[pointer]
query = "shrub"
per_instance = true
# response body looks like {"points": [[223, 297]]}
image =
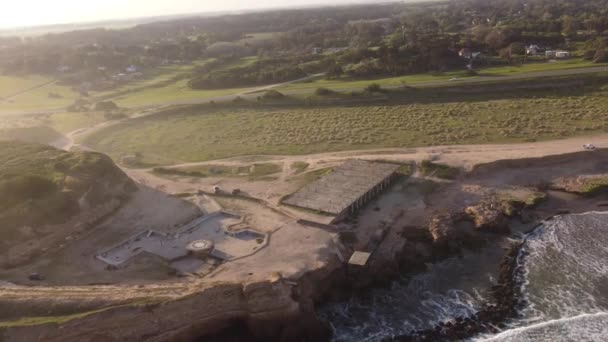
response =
{"points": [[22, 187], [106, 106], [273, 95], [374, 88], [428, 168], [324, 91]]}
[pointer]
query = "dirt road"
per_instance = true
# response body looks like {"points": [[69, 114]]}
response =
{"points": [[458, 155]]}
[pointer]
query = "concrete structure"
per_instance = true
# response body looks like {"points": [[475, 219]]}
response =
{"points": [[359, 258], [346, 189], [200, 248], [208, 235]]}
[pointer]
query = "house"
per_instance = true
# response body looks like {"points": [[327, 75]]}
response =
{"points": [[533, 50], [562, 54], [131, 69]]}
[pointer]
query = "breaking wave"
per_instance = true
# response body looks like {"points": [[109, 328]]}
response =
{"points": [[564, 282]]}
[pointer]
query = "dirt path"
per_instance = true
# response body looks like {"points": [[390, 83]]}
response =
{"points": [[458, 155]]}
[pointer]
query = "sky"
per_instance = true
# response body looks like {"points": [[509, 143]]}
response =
{"points": [[21, 13]]}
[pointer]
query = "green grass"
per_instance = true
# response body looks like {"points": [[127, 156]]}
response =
{"points": [[172, 93], [299, 166], [34, 134], [207, 133], [10, 85], [38, 99], [255, 171], [428, 168], [71, 121], [427, 77], [594, 185]]}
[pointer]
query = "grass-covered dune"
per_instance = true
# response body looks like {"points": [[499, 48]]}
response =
{"points": [[41, 185]]}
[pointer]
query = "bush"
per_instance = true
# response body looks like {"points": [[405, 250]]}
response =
{"points": [[19, 188], [374, 88], [114, 116], [428, 168], [324, 92], [273, 95], [106, 106]]}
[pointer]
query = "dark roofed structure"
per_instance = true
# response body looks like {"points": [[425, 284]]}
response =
{"points": [[347, 188]]}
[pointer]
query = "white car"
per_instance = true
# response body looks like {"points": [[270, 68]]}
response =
{"points": [[589, 147]]}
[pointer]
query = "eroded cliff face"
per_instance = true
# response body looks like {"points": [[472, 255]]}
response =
{"points": [[268, 311]]}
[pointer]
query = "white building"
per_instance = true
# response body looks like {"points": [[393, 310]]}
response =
{"points": [[533, 50]]}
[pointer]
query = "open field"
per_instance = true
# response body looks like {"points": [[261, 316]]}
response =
{"points": [[206, 133], [252, 172], [175, 92], [428, 78], [23, 93], [172, 86], [11, 85]]}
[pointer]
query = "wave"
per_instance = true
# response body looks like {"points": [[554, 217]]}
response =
{"points": [[585, 327]]}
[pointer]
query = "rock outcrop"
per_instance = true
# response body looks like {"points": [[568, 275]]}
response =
{"points": [[488, 215], [265, 311], [584, 185]]}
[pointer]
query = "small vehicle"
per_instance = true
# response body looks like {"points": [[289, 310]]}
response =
{"points": [[589, 147], [453, 79]]}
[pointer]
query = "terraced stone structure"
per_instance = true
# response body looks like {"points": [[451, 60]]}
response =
{"points": [[346, 189]]}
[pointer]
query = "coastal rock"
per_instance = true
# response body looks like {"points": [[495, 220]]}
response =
{"points": [[488, 215], [583, 185], [440, 227]]}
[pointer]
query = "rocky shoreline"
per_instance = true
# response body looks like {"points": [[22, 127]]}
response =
{"points": [[505, 299]]}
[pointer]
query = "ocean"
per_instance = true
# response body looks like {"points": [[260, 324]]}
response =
{"points": [[563, 270]]}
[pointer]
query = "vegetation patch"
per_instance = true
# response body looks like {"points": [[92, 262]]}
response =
{"points": [[42, 185], [428, 168], [255, 171], [299, 166], [214, 132], [594, 185], [35, 134]]}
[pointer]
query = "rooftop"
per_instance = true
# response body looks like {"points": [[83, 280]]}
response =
{"points": [[347, 183]]}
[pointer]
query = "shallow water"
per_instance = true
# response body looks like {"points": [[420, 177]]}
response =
{"points": [[565, 282], [565, 285], [454, 287]]}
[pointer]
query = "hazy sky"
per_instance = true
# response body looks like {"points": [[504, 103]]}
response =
{"points": [[42, 12]]}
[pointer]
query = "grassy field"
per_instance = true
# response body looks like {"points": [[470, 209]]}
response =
{"points": [[424, 78], [11, 85], [208, 133], [161, 90], [160, 86], [34, 134], [253, 172], [178, 91], [36, 98]]}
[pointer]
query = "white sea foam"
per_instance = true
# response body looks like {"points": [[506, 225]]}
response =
{"points": [[586, 327], [564, 282], [564, 277]]}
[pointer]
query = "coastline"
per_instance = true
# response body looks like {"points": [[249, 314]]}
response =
{"points": [[285, 309]]}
